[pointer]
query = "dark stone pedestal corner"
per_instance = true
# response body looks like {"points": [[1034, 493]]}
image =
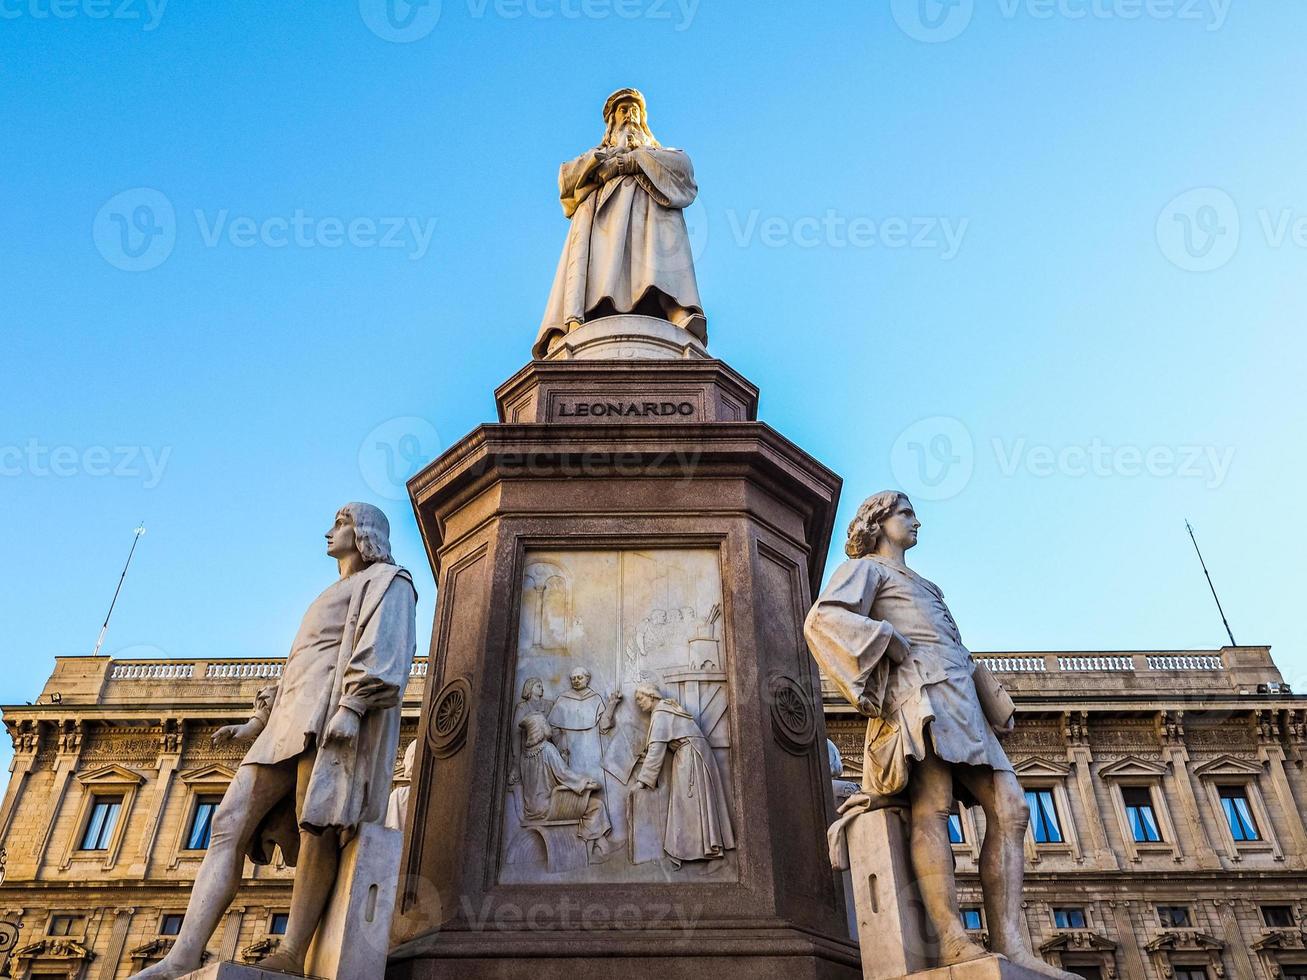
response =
{"points": [[639, 541]]}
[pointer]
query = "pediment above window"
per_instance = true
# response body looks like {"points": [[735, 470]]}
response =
{"points": [[1041, 768], [1228, 765], [1184, 940], [111, 775], [214, 773], [1133, 766], [1075, 942]]}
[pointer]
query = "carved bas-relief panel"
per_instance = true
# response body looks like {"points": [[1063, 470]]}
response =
{"points": [[619, 765]]}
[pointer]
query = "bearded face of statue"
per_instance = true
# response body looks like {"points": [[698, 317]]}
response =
{"points": [[626, 127]]}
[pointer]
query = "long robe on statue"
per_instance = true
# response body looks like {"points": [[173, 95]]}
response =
{"points": [[931, 694], [354, 649], [627, 239], [576, 716], [544, 774], [698, 816]]}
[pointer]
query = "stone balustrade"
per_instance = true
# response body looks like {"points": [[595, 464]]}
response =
{"points": [[154, 670]]}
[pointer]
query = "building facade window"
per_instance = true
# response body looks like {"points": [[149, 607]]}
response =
{"points": [[1174, 917], [1277, 916], [1238, 813], [197, 839], [1294, 971], [1141, 814], [101, 823], [1070, 917], [171, 924], [1044, 822], [956, 834], [1190, 973], [278, 923], [65, 925], [972, 918]]}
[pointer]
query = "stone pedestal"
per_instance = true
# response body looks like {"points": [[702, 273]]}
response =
{"points": [[234, 971], [891, 920], [645, 545], [989, 968], [354, 936]]}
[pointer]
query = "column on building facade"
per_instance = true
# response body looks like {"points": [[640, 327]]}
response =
{"points": [[170, 754], [69, 753], [25, 742], [1270, 752], [113, 952], [1176, 755], [231, 933], [1080, 758], [1128, 945], [1236, 943]]}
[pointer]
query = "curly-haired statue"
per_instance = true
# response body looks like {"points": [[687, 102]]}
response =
{"points": [[883, 634], [324, 747]]}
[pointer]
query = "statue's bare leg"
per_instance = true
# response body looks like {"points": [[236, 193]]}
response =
{"points": [[315, 877], [930, 791], [1002, 863], [255, 790]]}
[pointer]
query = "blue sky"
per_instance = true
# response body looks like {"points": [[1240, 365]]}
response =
{"points": [[1039, 262]]}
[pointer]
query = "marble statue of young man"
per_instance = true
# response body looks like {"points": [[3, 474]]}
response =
{"points": [[628, 249], [883, 634], [325, 740]]}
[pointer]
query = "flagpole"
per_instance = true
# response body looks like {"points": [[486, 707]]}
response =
{"points": [[140, 530]]}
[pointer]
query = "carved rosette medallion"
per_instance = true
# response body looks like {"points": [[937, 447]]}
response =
{"points": [[447, 730], [793, 721]]}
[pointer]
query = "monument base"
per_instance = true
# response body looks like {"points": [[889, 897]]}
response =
{"points": [[630, 518], [988, 968], [236, 971]]}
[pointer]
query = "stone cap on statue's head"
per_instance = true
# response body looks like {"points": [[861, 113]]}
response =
{"points": [[624, 95]]}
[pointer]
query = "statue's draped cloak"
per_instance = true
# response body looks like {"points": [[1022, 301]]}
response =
{"points": [[848, 631], [354, 649], [698, 816], [627, 237]]}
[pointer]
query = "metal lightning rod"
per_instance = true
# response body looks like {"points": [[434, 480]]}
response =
{"points": [[1224, 621], [140, 530]]}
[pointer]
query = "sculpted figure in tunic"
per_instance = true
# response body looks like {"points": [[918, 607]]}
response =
{"points": [[533, 702], [883, 634], [698, 817], [628, 249], [324, 752]]}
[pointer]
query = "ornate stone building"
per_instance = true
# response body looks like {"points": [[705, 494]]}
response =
{"points": [[106, 816], [1166, 792], [1167, 789]]}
